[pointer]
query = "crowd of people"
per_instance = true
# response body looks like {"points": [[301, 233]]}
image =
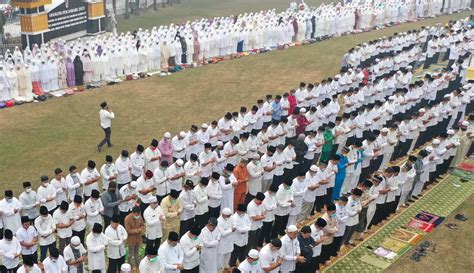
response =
{"points": [[68, 66], [232, 194]]}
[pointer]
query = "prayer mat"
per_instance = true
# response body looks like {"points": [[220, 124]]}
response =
{"points": [[429, 218], [406, 236], [420, 225], [375, 261], [466, 166], [463, 174], [394, 245]]}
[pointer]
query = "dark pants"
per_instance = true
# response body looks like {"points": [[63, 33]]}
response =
{"points": [[214, 212], [107, 220], [108, 132], [160, 197], [336, 245], [280, 225], [185, 226], [201, 220], [63, 242], [237, 253], [319, 203], [115, 264], [143, 207], [348, 234], [12, 270], [266, 234], [122, 215], [254, 235], [325, 253], [153, 243], [45, 248], [33, 257], [81, 234], [315, 263]]}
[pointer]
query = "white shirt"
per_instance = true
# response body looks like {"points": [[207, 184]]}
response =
{"points": [[214, 193], [88, 175], [45, 193], [188, 199], [148, 267], [170, 256], [149, 154], [63, 218], [255, 210], [125, 192], [123, 168], [255, 177], [241, 223], [45, 227], [190, 252], [74, 184], [316, 234], [290, 249], [106, 171], [246, 267], [202, 201], [57, 266], [268, 257], [76, 213], [61, 189], [69, 256], [283, 198], [153, 218], [143, 184], [27, 236], [226, 243], [106, 118], [116, 239], [8, 250], [138, 163], [96, 244], [93, 211]]}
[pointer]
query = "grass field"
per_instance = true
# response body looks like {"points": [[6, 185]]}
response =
{"points": [[452, 246], [36, 138], [197, 9]]}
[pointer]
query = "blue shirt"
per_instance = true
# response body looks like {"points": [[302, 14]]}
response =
{"points": [[276, 111]]}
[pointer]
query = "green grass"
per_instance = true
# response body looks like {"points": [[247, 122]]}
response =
{"points": [[37, 138], [197, 9]]}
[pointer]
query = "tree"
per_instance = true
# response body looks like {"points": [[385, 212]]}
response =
{"points": [[127, 7]]}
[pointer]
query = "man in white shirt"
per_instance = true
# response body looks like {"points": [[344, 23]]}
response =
{"points": [[284, 200], [154, 217], [202, 203], [45, 227], [106, 116], [10, 250], [210, 237], [75, 255], [96, 243], [270, 257], [255, 171], [108, 171], [256, 213], [150, 263], [63, 221], [188, 199], [251, 264], [290, 250], [90, 177], [47, 194], [78, 212], [317, 234], [171, 254], [191, 245], [353, 208], [94, 209], [59, 184], [138, 162], [29, 200], [28, 238], [116, 236], [214, 195], [145, 187], [29, 265], [176, 175], [55, 263], [129, 197], [74, 183], [241, 223], [123, 165], [152, 156]]}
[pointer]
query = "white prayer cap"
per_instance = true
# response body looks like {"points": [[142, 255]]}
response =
{"points": [[133, 184], [75, 240], [126, 268], [220, 143], [399, 72], [391, 98], [204, 125], [253, 253], [450, 132], [465, 123], [337, 76], [153, 199], [385, 130], [179, 162], [350, 70], [227, 211], [422, 110], [429, 149], [314, 168], [446, 96], [467, 86], [167, 135], [377, 60], [182, 134], [291, 228], [436, 142], [303, 110], [409, 67]]}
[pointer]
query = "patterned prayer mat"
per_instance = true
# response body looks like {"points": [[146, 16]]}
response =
{"points": [[441, 200]]}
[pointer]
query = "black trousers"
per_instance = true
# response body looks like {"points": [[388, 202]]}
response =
{"points": [[185, 226], [81, 234], [325, 253], [254, 235], [201, 220], [45, 249], [214, 212], [108, 133], [237, 254], [107, 220], [319, 203], [348, 234], [266, 234], [115, 264], [122, 215], [153, 243], [336, 245], [33, 257], [280, 225]]}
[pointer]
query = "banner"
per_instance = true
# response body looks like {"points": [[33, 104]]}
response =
{"points": [[66, 17]]}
